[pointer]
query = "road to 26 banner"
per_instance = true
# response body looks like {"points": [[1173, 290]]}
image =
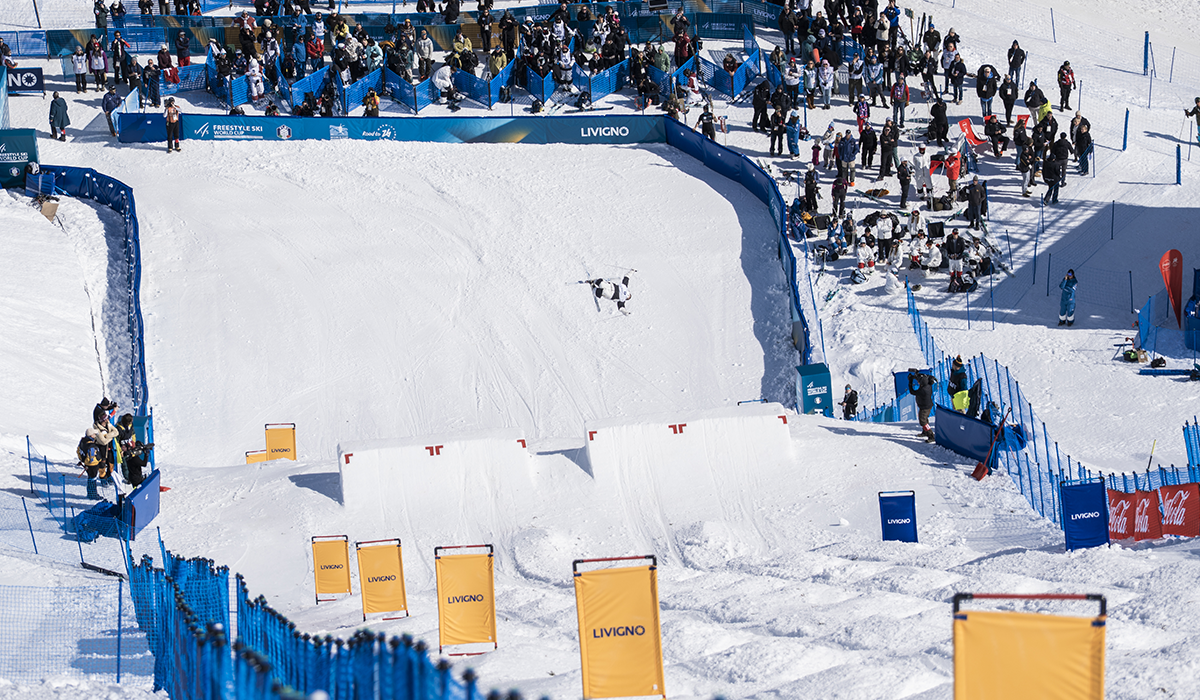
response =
{"points": [[331, 565], [620, 641], [466, 597], [381, 576]]}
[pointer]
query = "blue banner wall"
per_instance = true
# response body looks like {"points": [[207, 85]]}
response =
{"points": [[17, 148], [966, 436], [25, 80], [579, 130], [1085, 514], [898, 515], [148, 127]]}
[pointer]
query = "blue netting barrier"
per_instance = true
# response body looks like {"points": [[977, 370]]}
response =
{"points": [[239, 91], [540, 86], [774, 77], [82, 632], [353, 94], [1191, 436], [140, 39], [473, 88], [27, 44], [502, 80], [219, 86], [314, 83], [746, 73], [1035, 463], [193, 77], [665, 81]]}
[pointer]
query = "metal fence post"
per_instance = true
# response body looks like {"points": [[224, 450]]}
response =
{"points": [[120, 610], [1125, 138], [30, 522], [1178, 164], [1053, 32]]}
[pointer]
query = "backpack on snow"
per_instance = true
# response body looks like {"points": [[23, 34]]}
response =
{"points": [[858, 276]]}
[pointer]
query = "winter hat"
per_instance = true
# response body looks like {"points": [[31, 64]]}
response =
{"points": [[847, 387], [811, 167]]}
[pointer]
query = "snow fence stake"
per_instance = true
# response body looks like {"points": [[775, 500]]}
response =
{"points": [[1146, 55], [1049, 265], [1112, 225], [1178, 164], [1125, 138]]}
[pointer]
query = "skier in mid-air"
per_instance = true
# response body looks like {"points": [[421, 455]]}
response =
{"points": [[618, 291]]}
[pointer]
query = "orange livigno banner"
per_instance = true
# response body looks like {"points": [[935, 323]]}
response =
{"points": [[281, 441], [381, 575], [331, 565], [466, 599], [620, 641]]}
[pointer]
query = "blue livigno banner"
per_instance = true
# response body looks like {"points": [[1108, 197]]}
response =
{"points": [[898, 515], [1085, 514], [575, 130]]}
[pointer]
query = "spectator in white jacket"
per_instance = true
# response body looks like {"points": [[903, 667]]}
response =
{"points": [[254, 81], [922, 180], [79, 64], [827, 76], [948, 55]]}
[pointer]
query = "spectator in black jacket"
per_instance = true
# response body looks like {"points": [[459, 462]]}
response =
{"points": [[995, 133], [940, 125], [1083, 147], [888, 139], [1008, 95], [849, 403], [1016, 59], [921, 387], [1062, 151], [762, 100], [868, 141]]}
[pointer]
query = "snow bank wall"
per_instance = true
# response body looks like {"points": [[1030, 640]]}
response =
{"points": [[455, 489], [665, 472]]}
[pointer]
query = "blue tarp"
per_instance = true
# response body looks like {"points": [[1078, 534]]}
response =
{"points": [[960, 433]]}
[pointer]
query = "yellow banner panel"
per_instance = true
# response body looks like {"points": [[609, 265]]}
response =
{"points": [[256, 456], [281, 441], [331, 566], [620, 641], [381, 575], [466, 599], [1005, 655]]}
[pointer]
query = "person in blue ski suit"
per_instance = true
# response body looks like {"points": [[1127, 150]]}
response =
{"points": [[1066, 306]]}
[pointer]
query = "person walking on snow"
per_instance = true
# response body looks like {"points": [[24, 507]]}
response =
{"points": [[109, 105], [58, 118], [1066, 304], [617, 291]]}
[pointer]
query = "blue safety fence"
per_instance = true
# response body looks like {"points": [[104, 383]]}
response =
{"points": [[604, 83], [664, 80], [1035, 463], [1191, 436], [85, 632], [239, 91], [540, 86], [354, 93], [473, 87], [314, 83], [131, 104], [412, 96], [218, 85], [774, 77], [184, 609], [5, 119], [499, 81], [193, 77], [27, 44]]}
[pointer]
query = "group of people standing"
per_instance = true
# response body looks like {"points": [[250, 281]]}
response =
{"points": [[108, 445]]}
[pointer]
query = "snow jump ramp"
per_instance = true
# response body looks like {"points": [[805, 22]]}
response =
{"points": [[670, 474]]}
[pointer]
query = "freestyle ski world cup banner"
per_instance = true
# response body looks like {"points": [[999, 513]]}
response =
{"points": [[1085, 514], [381, 575], [466, 598], [18, 147], [1180, 510], [1006, 655], [25, 80], [1171, 266], [620, 642], [576, 130], [331, 565], [281, 441], [898, 515]]}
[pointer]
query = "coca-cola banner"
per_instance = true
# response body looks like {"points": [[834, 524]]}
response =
{"points": [[1120, 515], [1171, 266], [1180, 509], [1146, 523]]}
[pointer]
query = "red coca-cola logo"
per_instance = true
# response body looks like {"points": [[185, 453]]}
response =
{"points": [[1146, 523], [1180, 510], [1120, 515]]}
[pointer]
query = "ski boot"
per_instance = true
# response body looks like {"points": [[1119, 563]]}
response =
{"points": [[93, 494]]}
